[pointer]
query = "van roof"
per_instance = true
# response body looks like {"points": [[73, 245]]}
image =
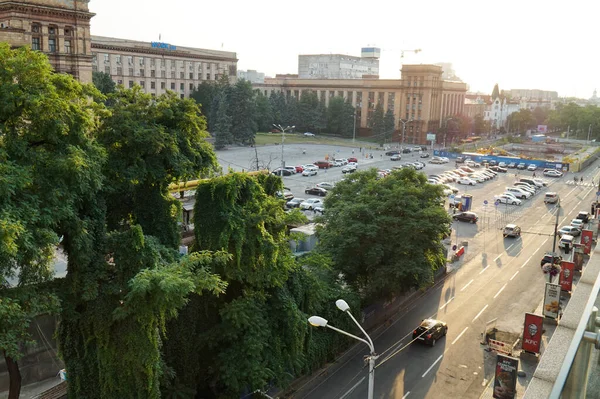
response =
{"points": [[551, 194], [567, 237]]}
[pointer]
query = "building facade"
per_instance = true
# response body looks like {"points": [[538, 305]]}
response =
{"points": [[158, 67], [251, 76], [58, 28], [533, 94], [420, 98], [339, 66]]}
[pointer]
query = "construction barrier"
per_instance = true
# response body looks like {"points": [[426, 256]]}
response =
{"points": [[460, 252]]}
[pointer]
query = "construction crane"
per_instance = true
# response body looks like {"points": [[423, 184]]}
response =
{"points": [[417, 51]]}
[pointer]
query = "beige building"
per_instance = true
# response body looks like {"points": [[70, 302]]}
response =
{"points": [[420, 98], [58, 28], [158, 67]]}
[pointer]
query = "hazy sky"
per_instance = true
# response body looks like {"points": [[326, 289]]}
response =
{"points": [[525, 44]]}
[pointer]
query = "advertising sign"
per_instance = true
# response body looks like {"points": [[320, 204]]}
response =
{"points": [[430, 137], [578, 256], [566, 275], [552, 300], [532, 332], [586, 240], [505, 379], [542, 128]]}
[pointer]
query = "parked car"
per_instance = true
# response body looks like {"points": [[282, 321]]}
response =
{"points": [[424, 155], [502, 164], [552, 173], [506, 199], [316, 191], [521, 166], [538, 181], [532, 167], [337, 163], [493, 163], [531, 182], [299, 169], [282, 172], [309, 134], [501, 169], [470, 217], [550, 257], [583, 215], [519, 193], [467, 181], [309, 172], [577, 223], [430, 331], [512, 165], [436, 160], [570, 230], [326, 185], [349, 169], [310, 203], [396, 157], [343, 161], [418, 165], [406, 151], [319, 209], [460, 159], [392, 152], [526, 187], [323, 164], [286, 194], [451, 188], [511, 230], [352, 159], [295, 203]]}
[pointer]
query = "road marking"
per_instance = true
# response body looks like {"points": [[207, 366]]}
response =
{"points": [[480, 312], [434, 363], [527, 261], [501, 289], [406, 394], [509, 247], [352, 389], [459, 335], [514, 275], [468, 284], [569, 193], [484, 269], [444, 305], [497, 257], [542, 244]]}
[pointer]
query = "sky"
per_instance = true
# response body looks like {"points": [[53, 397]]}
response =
{"points": [[526, 44]]}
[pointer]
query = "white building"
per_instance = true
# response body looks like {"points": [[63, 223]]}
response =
{"points": [[498, 111], [339, 66], [251, 75]]}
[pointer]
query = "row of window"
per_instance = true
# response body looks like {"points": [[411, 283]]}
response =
{"points": [[163, 85], [163, 74], [53, 38], [153, 62]]}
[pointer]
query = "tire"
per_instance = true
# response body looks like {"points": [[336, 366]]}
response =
{"points": [[305, 192], [310, 208], [433, 342], [471, 184], [514, 203], [445, 331], [472, 222]]}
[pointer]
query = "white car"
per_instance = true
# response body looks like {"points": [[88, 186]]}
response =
{"points": [[319, 209], [291, 169], [309, 172], [433, 181], [326, 185], [349, 169], [309, 134], [310, 204], [337, 163], [478, 178], [532, 167], [526, 187], [507, 199], [343, 161], [577, 223], [467, 181], [512, 195], [445, 160], [540, 181], [553, 173], [518, 192]]}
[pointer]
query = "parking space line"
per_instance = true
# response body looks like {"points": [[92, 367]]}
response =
{"points": [[501, 289], [497, 257], [514, 275], [480, 312], [444, 305], [406, 394], [459, 335], [434, 363], [484, 269], [469, 283]]}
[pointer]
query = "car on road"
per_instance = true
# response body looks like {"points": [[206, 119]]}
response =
{"points": [[577, 223], [470, 217], [352, 159], [309, 172], [467, 181], [552, 173], [583, 215], [532, 167], [295, 203], [511, 230], [493, 163], [349, 169], [522, 166], [299, 169], [282, 172], [430, 331], [502, 164], [321, 192], [551, 198], [392, 152], [550, 257], [343, 161], [337, 163], [539, 181], [396, 157], [506, 199], [436, 160], [570, 230], [424, 155], [512, 165], [309, 134], [499, 169], [310, 204], [326, 185], [323, 164], [319, 209]]}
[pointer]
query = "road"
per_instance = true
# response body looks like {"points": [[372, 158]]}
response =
{"points": [[501, 280]]}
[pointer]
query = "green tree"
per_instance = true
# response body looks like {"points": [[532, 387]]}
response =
{"points": [[242, 110], [389, 124], [309, 111], [264, 113], [103, 82], [479, 126], [278, 108], [384, 235], [204, 95], [222, 125], [377, 122], [335, 115]]}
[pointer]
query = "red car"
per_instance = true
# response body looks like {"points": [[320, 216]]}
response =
{"points": [[323, 164], [299, 169], [352, 160]]}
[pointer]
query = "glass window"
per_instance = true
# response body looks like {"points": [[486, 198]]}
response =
{"points": [[68, 49], [130, 60], [118, 59], [172, 74], [119, 71], [107, 69], [191, 86], [162, 63], [191, 75], [152, 62], [181, 75], [153, 85], [106, 58], [36, 28], [181, 87], [152, 73], [52, 30], [68, 31], [130, 71], [52, 45], [142, 83], [162, 85], [172, 86], [163, 74], [36, 43], [208, 76], [142, 72], [131, 84], [142, 61], [120, 81]]}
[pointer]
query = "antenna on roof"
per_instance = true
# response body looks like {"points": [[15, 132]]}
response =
{"points": [[159, 37]]}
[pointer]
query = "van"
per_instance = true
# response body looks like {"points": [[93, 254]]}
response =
{"points": [[551, 198], [566, 242], [531, 182]]}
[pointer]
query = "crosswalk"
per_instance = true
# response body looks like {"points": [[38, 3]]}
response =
{"points": [[584, 184]]}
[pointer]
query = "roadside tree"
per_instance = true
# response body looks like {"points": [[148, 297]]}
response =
{"points": [[103, 82], [389, 123]]}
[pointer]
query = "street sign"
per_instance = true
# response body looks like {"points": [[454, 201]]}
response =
{"points": [[497, 202], [451, 196], [485, 202], [532, 333], [598, 194]]}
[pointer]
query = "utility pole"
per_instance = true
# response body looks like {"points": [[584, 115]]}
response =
{"points": [[283, 129], [556, 226], [354, 130], [589, 132]]}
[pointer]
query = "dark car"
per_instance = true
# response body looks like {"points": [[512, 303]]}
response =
{"points": [[493, 163], [549, 257], [521, 166], [396, 157], [470, 217], [423, 148], [392, 152], [295, 203], [406, 151], [352, 159], [282, 172], [584, 216], [499, 169], [425, 155], [323, 164], [316, 191], [430, 331], [511, 165]]}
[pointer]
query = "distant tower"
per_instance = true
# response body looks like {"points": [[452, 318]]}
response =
{"points": [[495, 92], [594, 96]]}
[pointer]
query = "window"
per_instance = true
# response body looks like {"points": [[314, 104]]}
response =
{"points": [[131, 84], [162, 85], [130, 60], [152, 73], [163, 74], [68, 49], [181, 87], [199, 67], [153, 85], [52, 30], [107, 70], [142, 72], [172, 86], [68, 31], [181, 75], [36, 28], [153, 95], [52, 45], [119, 71], [130, 71], [95, 68], [152, 62], [191, 86], [106, 58], [162, 63], [142, 61], [190, 66], [208, 76], [191, 75], [172, 74], [120, 81], [36, 43], [118, 59], [181, 96], [142, 83]]}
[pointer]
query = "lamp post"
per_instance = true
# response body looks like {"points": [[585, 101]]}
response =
{"points": [[556, 227], [403, 129], [446, 130], [354, 130], [342, 305], [283, 129]]}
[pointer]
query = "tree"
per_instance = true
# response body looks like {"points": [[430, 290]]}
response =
{"points": [[103, 82], [389, 123], [384, 235], [377, 122], [479, 125], [222, 125], [309, 111], [204, 95], [242, 110], [264, 113]]}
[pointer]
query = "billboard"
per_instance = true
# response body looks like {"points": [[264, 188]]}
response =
{"points": [[542, 128], [532, 333], [552, 300], [586, 240], [505, 378], [566, 275], [430, 137]]}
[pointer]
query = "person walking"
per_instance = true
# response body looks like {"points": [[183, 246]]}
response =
{"points": [[581, 180], [533, 174]]}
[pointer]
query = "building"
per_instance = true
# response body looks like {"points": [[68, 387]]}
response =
{"points": [[339, 66], [448, 72], [420, 98], [58, 28], [158, 67], [536, 95], [251, 75]]}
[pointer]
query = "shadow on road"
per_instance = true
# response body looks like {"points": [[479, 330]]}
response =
{"points": [[513, 246]]}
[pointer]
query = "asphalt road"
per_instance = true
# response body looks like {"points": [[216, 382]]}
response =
{"points": [[501, 280]]}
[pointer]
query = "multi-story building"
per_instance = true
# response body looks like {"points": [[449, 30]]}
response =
{"points": [[58, 28], [420, 98], [528, 94], [339, 66], [251, 76], [158, 67], [448, 72]]}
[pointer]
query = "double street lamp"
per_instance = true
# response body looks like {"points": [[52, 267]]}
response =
{"points": [[283, 129], [342, 305]]}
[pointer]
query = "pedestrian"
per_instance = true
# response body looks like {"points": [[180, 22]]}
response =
{"points": [[533, 174], [581, 180], [352, 151]]}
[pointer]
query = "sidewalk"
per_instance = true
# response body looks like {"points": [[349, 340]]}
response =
{"points": [[33, 391]]}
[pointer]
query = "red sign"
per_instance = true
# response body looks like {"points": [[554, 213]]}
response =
{"points": [[566, 275], [586, 239], [532, 333], [505, 381]]}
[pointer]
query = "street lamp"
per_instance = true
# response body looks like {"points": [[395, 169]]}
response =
{"points": [[342, 305], [283, 129], [446, 130], [354, 130], [403, 129]]}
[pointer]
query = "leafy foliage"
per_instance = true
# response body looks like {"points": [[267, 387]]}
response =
{"points": [[242, 110], [389, 124], [377, 123], [222, 125], [103, 82], [385, 235]]}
